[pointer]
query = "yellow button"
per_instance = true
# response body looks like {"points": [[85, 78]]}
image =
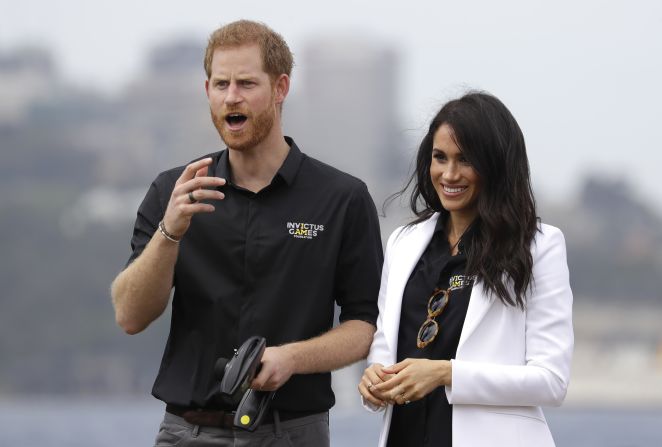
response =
{"points": [[245, 419]]}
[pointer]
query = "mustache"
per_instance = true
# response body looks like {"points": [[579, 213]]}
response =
{"points": [[230, 110]]}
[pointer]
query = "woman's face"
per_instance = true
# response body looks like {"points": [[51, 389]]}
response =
{"points": [[453, 177]]}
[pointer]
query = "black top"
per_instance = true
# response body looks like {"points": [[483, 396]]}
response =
{"points": [[270, 263], [428, 422]]}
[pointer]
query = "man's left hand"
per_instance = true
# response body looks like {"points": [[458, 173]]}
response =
{"points": [[278, 365]]}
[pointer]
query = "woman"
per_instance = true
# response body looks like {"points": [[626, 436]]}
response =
{"points": [[475, 325]]}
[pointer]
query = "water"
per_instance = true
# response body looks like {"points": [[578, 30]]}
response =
{"points": [[133, 422]]}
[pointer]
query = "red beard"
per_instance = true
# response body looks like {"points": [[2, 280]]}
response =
{"points": [[255, 130]]}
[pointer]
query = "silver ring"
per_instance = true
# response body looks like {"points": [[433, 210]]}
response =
{"points": [[191, 197], [407, 402]]}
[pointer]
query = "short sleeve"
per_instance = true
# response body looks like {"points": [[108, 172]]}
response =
{"points": [[150, 213], [360, 259]]}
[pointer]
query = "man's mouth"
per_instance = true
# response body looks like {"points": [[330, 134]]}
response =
{"points": [[235, 120]]}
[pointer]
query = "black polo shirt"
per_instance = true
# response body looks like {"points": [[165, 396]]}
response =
{"points": [[270, 263]]}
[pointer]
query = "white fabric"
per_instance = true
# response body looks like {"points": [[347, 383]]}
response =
{"points": [[509, 362]]}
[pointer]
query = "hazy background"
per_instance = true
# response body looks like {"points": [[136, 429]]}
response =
{"points": [[97, 97]]}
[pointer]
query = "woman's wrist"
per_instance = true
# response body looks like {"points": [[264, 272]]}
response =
{"points": [[445, 373]]}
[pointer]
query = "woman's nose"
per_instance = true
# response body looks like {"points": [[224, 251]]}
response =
{"points": [[451, 171]]}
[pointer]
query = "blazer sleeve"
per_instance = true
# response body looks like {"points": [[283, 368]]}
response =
{"points": [[543, 379]]}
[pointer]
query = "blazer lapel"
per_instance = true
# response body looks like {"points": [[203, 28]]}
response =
{"points": [[409, 250], [479, 304]]}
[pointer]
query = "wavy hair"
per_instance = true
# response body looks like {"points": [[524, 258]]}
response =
{"points": [[499, 251]]}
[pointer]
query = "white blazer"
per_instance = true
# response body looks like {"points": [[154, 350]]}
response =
{"points": [[509, 362]]}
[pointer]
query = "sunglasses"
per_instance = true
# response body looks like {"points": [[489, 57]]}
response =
{"points": [[430, 328]]}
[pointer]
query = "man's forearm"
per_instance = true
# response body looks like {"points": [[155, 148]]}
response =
{"points": [[140, 293], [347, 343]]}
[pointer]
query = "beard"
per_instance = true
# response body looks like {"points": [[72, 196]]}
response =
{"points": [[256, 130]]}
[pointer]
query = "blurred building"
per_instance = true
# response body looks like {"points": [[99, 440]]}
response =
{"points": [[165, 117], [27, 75], [342, 110], [345, 111]]}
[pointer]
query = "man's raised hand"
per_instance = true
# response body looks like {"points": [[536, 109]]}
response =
{"points": [[192, 188]]}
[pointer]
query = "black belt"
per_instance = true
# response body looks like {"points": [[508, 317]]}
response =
{"points": [[225, 418]]}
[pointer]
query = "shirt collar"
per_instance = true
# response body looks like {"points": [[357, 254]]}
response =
{"points": [[287, 171], [290, 167], [465, 240]]}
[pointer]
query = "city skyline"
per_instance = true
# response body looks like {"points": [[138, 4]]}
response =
{"points": [[80, 161], [112, 93], [581, 78]]}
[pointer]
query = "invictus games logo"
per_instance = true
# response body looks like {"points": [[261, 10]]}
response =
{"points": [[301, 230], [460, 281]]}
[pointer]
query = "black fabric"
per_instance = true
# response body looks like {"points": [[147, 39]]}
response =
{"points": [[428, 422], [270, 263]]}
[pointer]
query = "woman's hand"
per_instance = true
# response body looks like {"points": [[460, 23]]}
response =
{"points": [[373, 375], [412, 379]]}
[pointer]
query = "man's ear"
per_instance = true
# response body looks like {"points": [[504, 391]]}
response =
{"points": [[207, 87], [282, 88]]}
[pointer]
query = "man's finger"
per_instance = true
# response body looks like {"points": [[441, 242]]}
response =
{"points": [[203, 194], [202, 172], [201, 182], [191, 170], [259, 381]]}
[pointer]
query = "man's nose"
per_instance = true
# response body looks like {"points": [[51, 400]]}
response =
{"points": [[233, 94]]}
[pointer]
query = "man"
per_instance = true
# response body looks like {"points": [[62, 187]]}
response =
{"points": [[258, 239]]}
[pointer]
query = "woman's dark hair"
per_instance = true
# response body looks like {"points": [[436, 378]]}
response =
{"points": [[491, 140]]}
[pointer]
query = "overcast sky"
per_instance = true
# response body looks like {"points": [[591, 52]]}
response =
{"points": [[583, 78]]}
